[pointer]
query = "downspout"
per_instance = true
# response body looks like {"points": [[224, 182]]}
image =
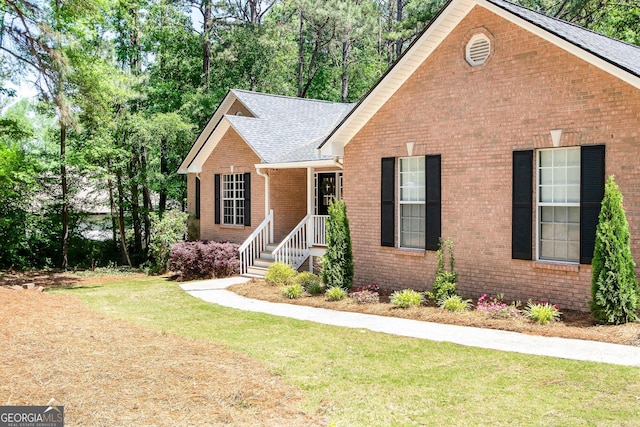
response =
{"points": [[266, 190], [336, 160]]}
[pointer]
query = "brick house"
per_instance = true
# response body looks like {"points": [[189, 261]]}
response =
{"points": [[255, 176], [496, 129]]}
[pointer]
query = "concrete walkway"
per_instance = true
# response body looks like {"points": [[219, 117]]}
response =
{"points": [[214, 291]]}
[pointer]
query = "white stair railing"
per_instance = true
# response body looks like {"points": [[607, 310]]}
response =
{"points": [[256, 243], [294, 249], [320, 230]]}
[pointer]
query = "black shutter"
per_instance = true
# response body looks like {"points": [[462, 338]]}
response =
{"points": [[197, 198], [247, 198], [522, 205], [387, 211], [592, 170], [433, 198], [216, 215]]}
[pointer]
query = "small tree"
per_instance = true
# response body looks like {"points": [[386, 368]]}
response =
{"points": [[614, 287], [337, 263], [166, 230]]}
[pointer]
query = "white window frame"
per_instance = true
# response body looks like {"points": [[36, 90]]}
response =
{"points": [[421, 199], [540, 204], [233, 198]]}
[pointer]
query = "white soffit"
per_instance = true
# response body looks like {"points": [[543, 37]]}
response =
{"points": [[563, 44], [208, 130], [398, 75], [210, 143]]}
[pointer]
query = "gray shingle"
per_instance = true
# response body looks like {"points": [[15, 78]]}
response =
{"points": [[286, 129], [620, 54]]}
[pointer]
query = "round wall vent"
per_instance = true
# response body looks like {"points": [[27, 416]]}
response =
{"points": [[478, 50]]}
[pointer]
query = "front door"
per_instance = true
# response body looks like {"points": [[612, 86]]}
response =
{"points": [[327, 189]]}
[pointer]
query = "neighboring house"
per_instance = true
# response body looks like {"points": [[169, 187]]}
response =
{"points": [[255, 176], [496, 129]]}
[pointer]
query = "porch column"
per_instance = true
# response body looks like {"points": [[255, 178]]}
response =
{"points": [[310, 205]]}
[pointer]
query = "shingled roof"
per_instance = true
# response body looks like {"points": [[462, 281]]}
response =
{"points": [[620, 54], [286, 129]]}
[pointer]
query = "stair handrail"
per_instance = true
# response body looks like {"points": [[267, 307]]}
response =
{"points": [[256, 242], [294, 248]]}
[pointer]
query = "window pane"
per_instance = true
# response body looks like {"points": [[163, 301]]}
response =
{"points": [[573, 175], [546, 194], [559, 157], [546, 157], [546, 176], [573, 157]]}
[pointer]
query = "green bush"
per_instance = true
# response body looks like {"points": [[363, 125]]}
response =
{"points": [[166, 230], [455, 303], [444, 285], [337, 262], [614, 286], [279, 273], [406, 298], [308, 280], [335, 293], [315, 289], [542, 312], [291, 291]]}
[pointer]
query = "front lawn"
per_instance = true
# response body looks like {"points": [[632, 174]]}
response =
{"points": [[357, 377]]}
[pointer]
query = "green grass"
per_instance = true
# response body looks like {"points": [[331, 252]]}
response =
{"points": [[360, 378]]}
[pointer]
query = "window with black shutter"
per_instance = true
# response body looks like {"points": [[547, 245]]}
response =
{"points": [[522, 205], [387, 205], [197, 213], [592, 178]]}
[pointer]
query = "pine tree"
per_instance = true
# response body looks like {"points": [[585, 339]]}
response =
{"points": [[337, 263], [614, 286]]}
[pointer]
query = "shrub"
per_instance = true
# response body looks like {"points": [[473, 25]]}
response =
{"points": [[308, 280], [204, 260], [497, 308], [614, 286], [455, 303], [406, 298], [365, 297], [315, 289], [335, 293], [444, 285], [542, 312], [279, 273], [337, 262], [166, 230], [291, 291]]}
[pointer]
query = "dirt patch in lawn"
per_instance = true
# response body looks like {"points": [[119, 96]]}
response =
{"points": [[573, 324], [109, 372]]}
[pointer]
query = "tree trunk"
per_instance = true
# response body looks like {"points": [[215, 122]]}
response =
{"points": [[123, 238], [346, 50], [112, 207], [399, 9], [65, 195], [164, 171], [146, 198], [301, 57], [135, 205], [206, 42]]}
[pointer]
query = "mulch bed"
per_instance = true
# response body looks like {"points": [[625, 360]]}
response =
{"points": [[573, 324], [109, 372]]}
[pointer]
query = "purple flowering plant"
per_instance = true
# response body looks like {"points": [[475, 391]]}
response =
{"points": [[497, 308]]}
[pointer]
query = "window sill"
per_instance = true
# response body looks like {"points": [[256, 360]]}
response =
{"points": [[409, 252], [230, 226], [556, 266]]}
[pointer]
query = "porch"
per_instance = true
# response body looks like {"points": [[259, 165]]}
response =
{"points": [[307, 239]]}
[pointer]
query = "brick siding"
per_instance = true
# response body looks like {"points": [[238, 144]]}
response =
{"points": [[475, 117]]}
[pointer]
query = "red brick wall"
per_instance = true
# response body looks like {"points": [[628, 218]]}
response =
{"points": [[230, 151], [475, 117], [288, 199]]}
